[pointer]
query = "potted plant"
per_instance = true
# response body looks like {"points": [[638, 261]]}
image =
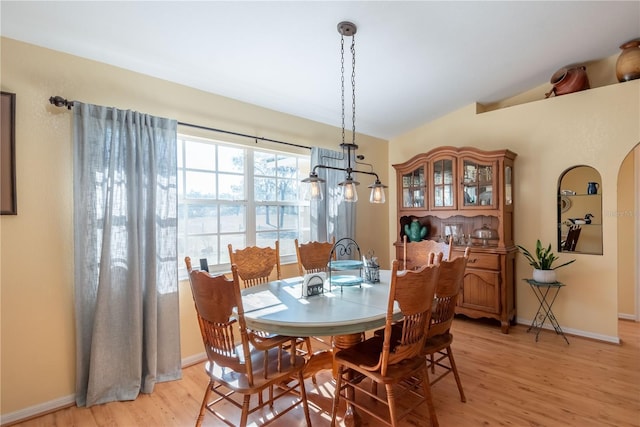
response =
{"points": [[543, 271]]}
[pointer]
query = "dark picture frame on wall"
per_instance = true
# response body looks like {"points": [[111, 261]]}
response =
{"points": [[8, 205]]}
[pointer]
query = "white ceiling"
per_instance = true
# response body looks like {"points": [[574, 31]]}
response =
{"points": [[415, 60]]}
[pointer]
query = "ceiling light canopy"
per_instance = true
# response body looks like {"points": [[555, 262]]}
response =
{"points": [[348, 186]]}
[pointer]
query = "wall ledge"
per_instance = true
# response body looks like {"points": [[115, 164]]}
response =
{"points": [[601, 73]]}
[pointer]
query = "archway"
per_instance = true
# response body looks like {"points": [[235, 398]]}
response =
{"points": [[628, 217], [580, 210]]}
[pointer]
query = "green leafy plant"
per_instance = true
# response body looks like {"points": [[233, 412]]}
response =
{"points": [[543, 259]]}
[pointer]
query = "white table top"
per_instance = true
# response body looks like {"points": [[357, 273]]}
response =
{"points": [[278, 307]]}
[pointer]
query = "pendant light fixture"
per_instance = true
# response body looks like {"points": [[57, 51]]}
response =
{"points": [[348, 186]]}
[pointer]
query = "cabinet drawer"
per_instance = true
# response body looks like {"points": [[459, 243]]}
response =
{"points": [[485, 261]]}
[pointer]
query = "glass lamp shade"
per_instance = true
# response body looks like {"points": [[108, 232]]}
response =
{"points": [[377, 192], [314, 190], [377, 195], [349, 192]]}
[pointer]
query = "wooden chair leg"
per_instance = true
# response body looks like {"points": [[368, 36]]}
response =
{"points": [[351, 417], [309, 348], [455, 374], [205, 400], [426, 389], [245, 410], [266, 371], [391, 403], [270, 397], [303, 396], [309, 353], [336, 398]]}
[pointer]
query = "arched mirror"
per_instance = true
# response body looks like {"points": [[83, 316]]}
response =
{"points": [[580, 211]]}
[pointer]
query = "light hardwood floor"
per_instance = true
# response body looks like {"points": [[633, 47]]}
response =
{"points": [[509, 380]]}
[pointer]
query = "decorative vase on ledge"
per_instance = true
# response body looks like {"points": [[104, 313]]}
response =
{"points": [[628, 63], [544, 276], [569, 80]]}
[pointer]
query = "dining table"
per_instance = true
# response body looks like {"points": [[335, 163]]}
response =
{"points": [[280, 307], [342, 312]]}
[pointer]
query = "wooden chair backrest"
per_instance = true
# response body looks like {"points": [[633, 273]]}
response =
{"points": [[313, 256], [255, 265], [417, 254], [435, 258], [215, 297], [446, 296], [572, 238], [413, 291]]}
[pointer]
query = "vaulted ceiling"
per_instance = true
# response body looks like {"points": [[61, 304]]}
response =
{"points": [[415, 60]]}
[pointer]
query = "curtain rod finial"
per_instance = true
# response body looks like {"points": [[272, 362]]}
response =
{"points": [[59, 101]]}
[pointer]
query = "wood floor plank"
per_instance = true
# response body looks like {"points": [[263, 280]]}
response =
{"points": [[509, 380]]}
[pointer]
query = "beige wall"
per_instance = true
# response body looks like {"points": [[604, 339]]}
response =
{"points": [[36, 251], [628, 219], [597, 127]]}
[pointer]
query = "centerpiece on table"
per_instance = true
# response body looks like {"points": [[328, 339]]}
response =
{"points": [[543, 271]]}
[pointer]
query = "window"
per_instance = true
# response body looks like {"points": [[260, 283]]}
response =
{"points": [[240, 195]]}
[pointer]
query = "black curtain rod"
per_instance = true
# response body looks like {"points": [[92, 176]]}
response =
{"points": [[59, 101], [256, 138]]}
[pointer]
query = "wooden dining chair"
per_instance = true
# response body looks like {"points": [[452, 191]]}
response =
{"points": [[569, 244], [437, 347], [435, 258], [245, 367], [255, 266], [397, 362], [416, 254], [313, 257]]}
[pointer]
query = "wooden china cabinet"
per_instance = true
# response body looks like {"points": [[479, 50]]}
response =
{"points": [[453, 192]]}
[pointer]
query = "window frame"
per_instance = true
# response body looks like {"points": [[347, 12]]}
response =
{"points": [[247, 202]]}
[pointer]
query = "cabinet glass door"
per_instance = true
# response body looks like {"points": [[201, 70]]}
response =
{"points": [[508, 188], [443, 184], [477, 184], [413, 189]]}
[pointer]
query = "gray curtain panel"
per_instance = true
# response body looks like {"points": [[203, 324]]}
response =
{"points": [[126, 281], [331, 216]]}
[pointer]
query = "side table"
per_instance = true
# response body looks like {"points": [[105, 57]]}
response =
{"points": [[546, 294]]}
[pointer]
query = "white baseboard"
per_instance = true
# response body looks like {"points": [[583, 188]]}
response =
{"points": [[576, 332], [65, 401], [42, 408], [626, 316]]}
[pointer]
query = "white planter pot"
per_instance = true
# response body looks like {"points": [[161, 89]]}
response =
{"points": [[544, 276]]}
